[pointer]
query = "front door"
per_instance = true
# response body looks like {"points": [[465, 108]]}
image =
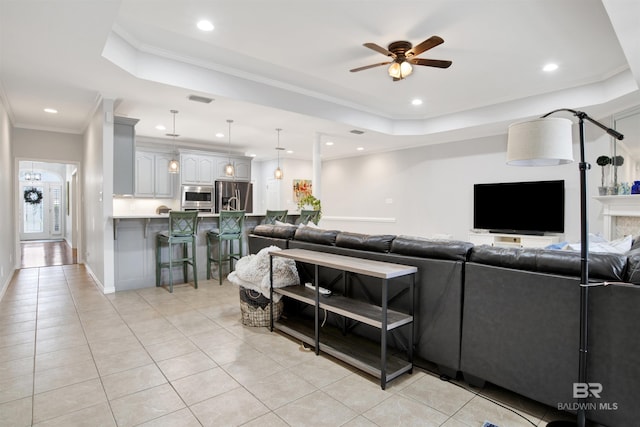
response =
{"points": [[41, 211]]}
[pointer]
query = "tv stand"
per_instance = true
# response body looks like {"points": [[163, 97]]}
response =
{"points": [[512, 240]]}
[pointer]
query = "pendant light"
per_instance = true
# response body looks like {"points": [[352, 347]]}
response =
{"points": [[229, 169], [278, 172], [32, 176], [174, 165]]}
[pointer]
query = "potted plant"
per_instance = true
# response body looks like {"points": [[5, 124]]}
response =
{"points": [[603, 161], [308, 201], [615, 162]]}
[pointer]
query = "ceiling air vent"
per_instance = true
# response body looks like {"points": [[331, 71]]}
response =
{"points": [[202, 99], [356, 132]]}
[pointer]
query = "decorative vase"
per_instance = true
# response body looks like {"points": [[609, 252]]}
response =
{"points": [[635, 188], [603, 191]]}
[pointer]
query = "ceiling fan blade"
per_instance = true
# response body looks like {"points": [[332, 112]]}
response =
{"points": [[439, 63], [429, 43], [366, 67], [380, 49]]}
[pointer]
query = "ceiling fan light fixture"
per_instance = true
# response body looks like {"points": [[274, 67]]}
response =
{"points": [[394, 70], [405, 69], [400, 70]]}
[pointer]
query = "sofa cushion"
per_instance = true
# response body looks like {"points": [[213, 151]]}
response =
{"points": [[431, 248], [316, 235], [633, 266], [601, 265], [365, 242], [277, 231]]}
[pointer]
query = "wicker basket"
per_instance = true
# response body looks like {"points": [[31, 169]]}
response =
{"points": [[256, 308]]}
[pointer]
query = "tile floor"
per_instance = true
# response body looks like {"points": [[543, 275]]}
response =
{"points": [[71, 356]]}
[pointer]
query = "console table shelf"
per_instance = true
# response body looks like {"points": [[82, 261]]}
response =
{"points": [[357, 352], [357, 310], [366, 355]]}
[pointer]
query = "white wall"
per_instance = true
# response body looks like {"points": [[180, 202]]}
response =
{"points": [[429, 190], [97, 193], [262, 177], [7, 220], [48, 146]]}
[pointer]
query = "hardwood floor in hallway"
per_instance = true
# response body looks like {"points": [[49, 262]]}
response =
{"points": [[46, 254]]}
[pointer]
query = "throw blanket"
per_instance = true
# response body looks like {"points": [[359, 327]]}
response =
{"points": [[252, 272]]}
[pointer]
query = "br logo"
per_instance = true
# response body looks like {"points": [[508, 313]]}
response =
{"points": [[584, 390]]}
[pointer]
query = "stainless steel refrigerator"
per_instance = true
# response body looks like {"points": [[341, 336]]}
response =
{"points": [[234, 195]]}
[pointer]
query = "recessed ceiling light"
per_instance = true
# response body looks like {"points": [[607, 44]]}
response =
{"points": [[289, 151], [416, 101], [161, 127], [360, 148], [51, 110], [550, 67], [205, 25], [329, 143], [219, 135]]}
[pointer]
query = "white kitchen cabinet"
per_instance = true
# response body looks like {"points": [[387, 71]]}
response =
{"points": [[242, 168], [123, 154], [152, 175], [197, 168]]}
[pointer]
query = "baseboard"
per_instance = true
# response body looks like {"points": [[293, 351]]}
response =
{"points": [[98, 283], [5, 285]]}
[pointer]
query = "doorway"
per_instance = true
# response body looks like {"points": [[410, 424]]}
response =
{"points": [[41, 217], [45, 216]]}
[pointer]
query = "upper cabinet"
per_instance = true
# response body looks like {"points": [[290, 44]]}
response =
{"points": [[206, 169], [241, 165], [197, 168], [152, 175], [124, 137]]}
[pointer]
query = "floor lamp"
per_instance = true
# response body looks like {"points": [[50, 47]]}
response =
{"points": [[546, 142]]}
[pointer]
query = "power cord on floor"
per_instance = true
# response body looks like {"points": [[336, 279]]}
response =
{"points": [[448, 379]]}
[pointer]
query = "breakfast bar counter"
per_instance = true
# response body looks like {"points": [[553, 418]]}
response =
{"points": [[135, 244]]}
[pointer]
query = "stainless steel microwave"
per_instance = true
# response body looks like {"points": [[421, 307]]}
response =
{"points": [[198, 197]]}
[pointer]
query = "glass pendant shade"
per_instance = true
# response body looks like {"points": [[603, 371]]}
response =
{"points": [[278, 173], [540, 142], [229, 169], [174, 166]]}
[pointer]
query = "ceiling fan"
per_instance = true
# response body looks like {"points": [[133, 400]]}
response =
{"points": [[404, 55]]}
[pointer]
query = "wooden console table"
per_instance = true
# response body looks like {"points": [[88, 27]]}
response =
{"points": [[364, 356]]}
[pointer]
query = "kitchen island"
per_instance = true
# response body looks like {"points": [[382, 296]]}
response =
{"points": [[135, 244]]}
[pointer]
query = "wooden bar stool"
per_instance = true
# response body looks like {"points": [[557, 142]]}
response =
{"points": [[230, 229], [182, 231], [272, 216]]}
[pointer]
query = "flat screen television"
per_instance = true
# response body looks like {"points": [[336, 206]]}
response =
{"points": [[534, 207]]}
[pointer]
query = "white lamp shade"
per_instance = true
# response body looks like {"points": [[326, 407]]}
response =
{"points": [[541, 142]]}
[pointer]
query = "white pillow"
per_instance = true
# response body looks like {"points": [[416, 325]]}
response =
{"points": [[597, 244], [284, 223]]}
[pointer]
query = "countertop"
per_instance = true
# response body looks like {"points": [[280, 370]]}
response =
{"points": [[200, 215]]}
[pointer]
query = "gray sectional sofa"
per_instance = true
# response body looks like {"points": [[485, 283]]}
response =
{"points": [[504, 315]]}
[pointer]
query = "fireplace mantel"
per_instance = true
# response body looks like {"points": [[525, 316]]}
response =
{"points": [[615, 207]]}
